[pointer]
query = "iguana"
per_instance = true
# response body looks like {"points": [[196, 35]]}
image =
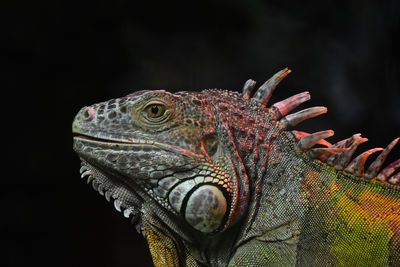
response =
{"points": [[215, 178]]}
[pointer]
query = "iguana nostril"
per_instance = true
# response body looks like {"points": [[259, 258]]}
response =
{"points": [[87, 114]]}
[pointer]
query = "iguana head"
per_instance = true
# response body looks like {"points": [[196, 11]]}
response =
{"points": [[160, 149]]}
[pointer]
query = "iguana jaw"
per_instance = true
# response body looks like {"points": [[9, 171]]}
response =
{"points": [[123, 192], [123, 164], [127, 193]]}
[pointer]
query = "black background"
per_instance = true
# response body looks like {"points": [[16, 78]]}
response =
{"points": [[63, 55]]}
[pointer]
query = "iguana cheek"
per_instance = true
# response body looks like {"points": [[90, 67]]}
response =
{"points": [[206, 208]]}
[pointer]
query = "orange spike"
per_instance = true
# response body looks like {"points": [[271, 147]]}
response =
{"points": [[322, 153], [377, 164], [283, 107], [265, 91], [292, 120], [307, 142], [248, 88], [356, 167], [344, 158], [388, 171], [300, 134]]}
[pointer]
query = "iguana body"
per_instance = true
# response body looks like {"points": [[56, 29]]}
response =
{"points": [[215, 179]]}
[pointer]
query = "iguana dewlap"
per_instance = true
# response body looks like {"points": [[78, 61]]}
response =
{"points": [[215, 178]]}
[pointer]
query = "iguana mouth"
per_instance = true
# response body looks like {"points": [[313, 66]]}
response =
{"points": [[133, 142], [129, 141]]}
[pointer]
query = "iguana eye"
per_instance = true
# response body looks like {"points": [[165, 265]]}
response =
{"points": [[155, 110], [153, 113]]}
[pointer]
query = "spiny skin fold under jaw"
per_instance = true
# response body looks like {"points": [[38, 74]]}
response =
{"points": [[106, 188]]}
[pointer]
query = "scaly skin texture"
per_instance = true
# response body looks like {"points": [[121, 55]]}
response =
{"points": [[218, 179]]}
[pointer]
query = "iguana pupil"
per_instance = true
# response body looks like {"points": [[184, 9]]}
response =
{"points": [[156, 111]]}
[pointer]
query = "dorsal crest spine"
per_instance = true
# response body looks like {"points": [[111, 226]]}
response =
{"points": [[339, 154]]}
